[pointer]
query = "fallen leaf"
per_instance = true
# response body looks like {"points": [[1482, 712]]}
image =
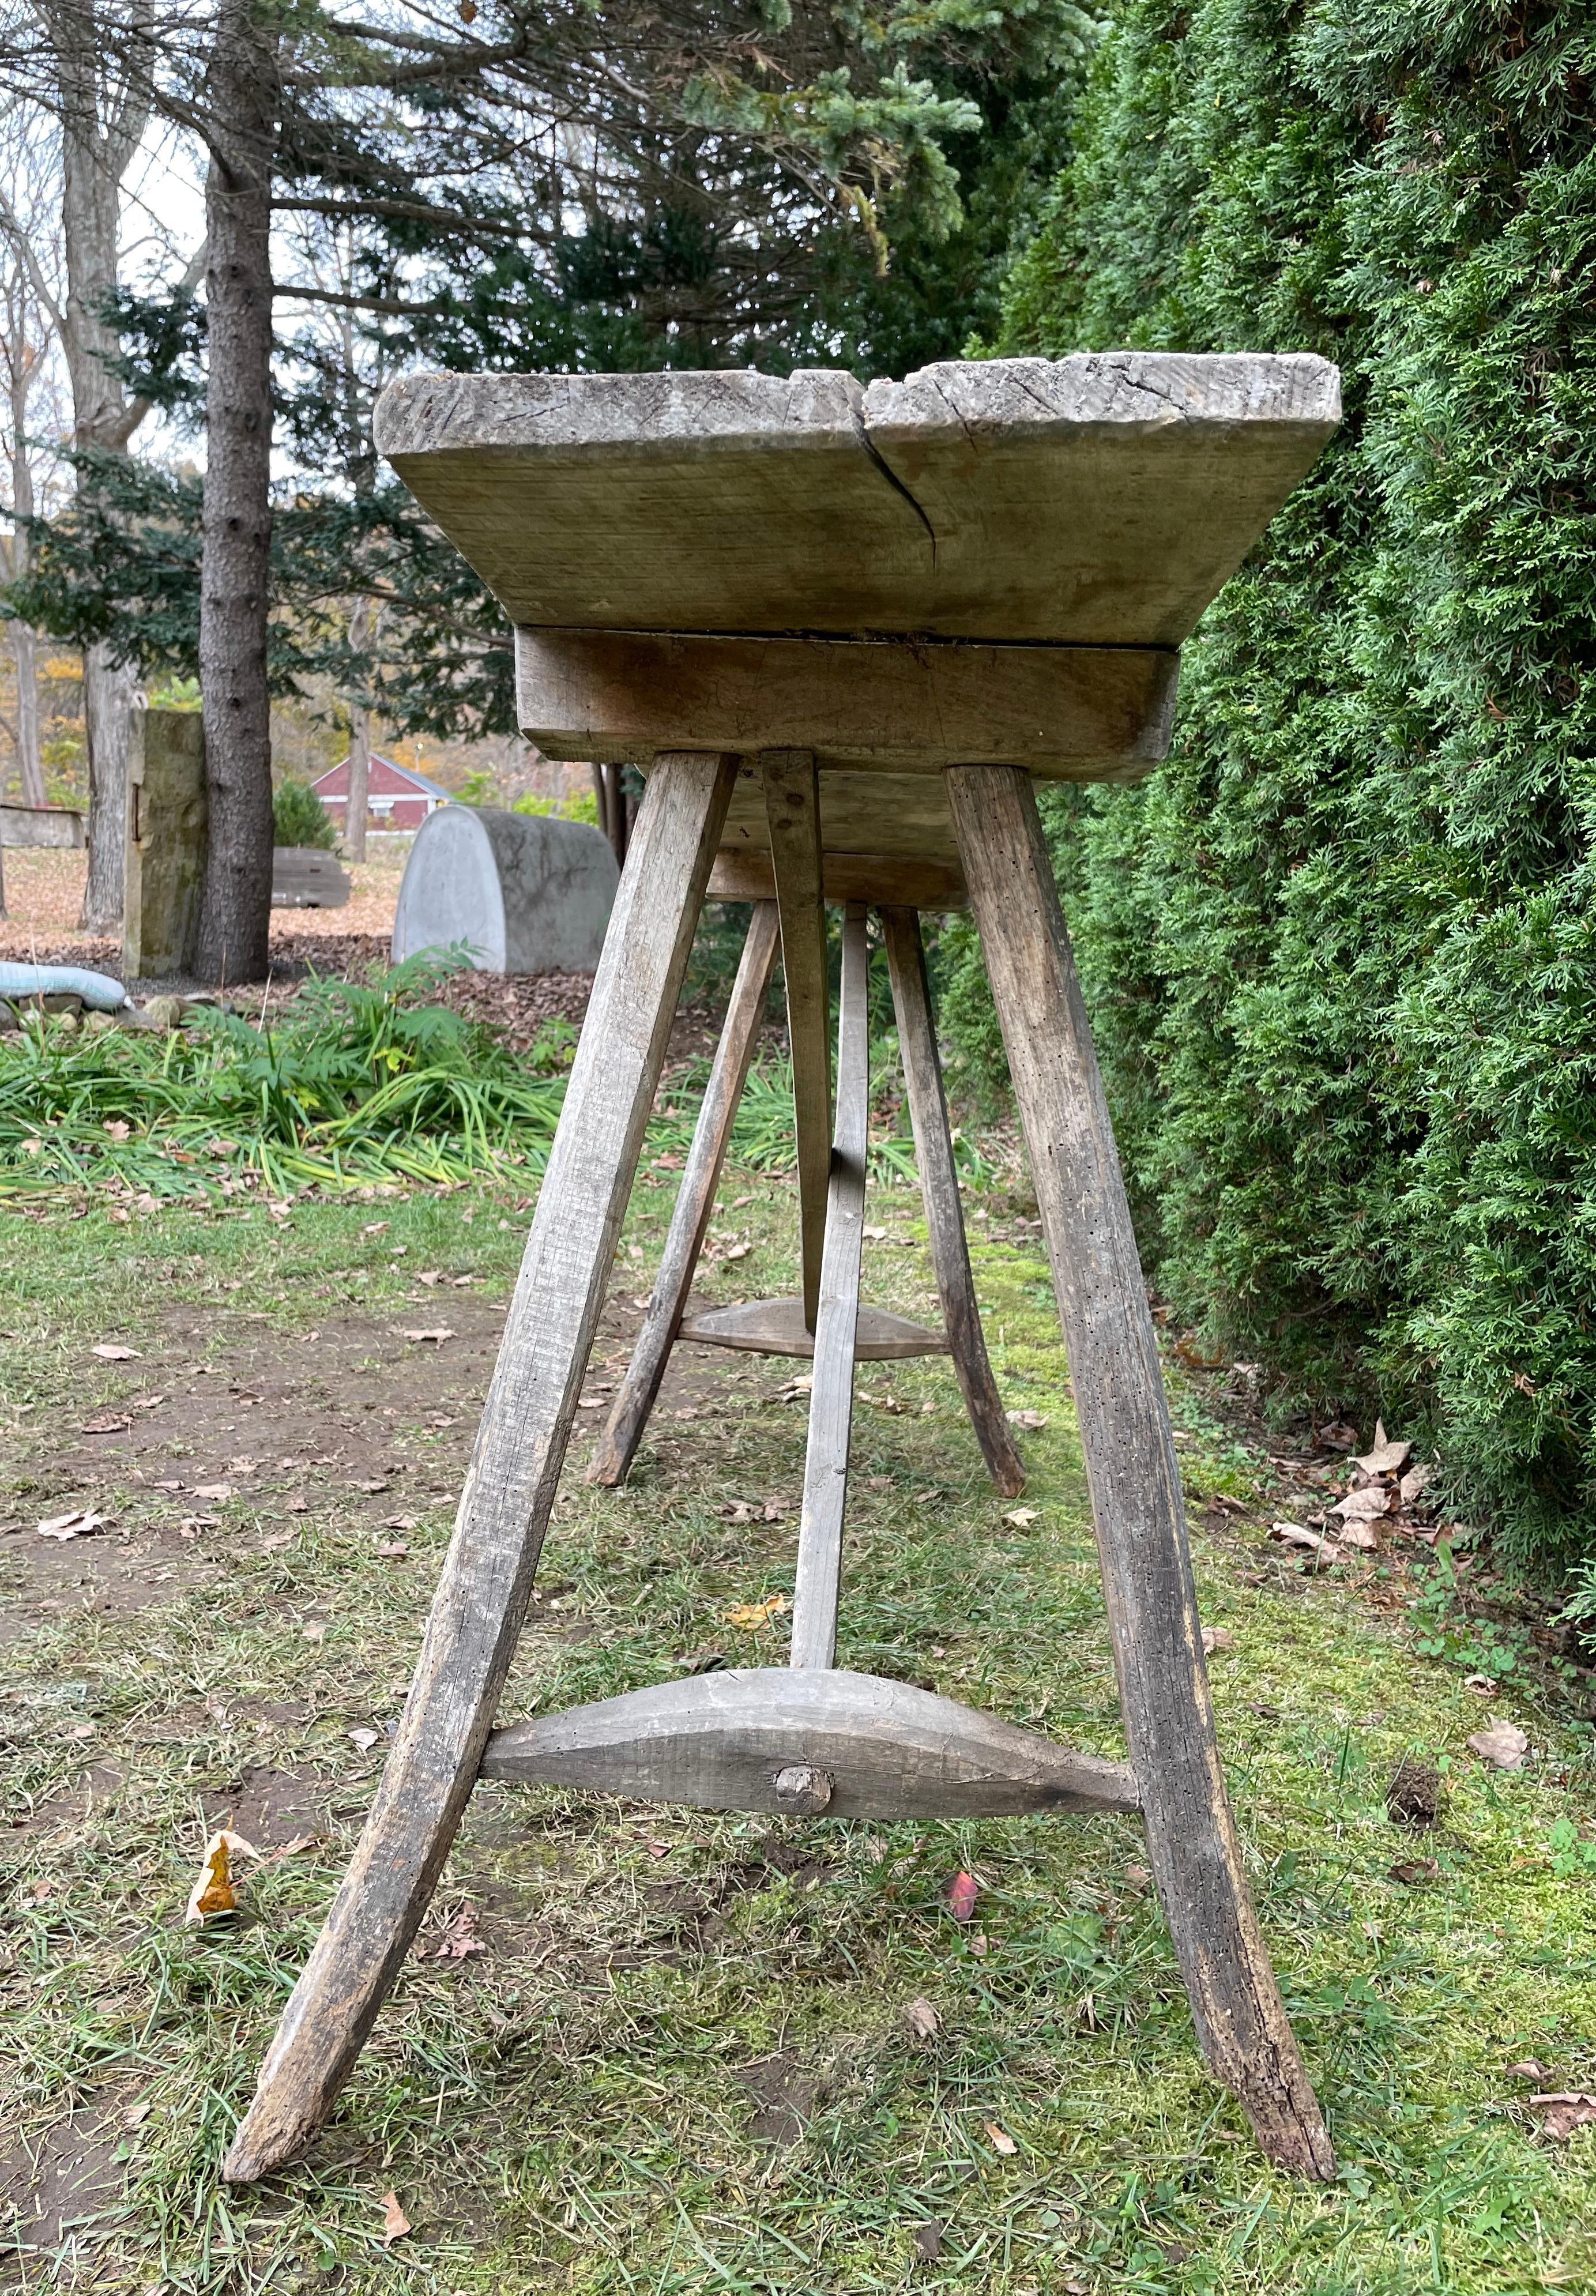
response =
{"points": [[400, 1521], [115, 1128], [459, 1938], [395, 2224], [437, 1336], [1360, 1537], [1414, 1482], [1295, 1534], [1001, 2141], [1216, 1638], [106, 1423], [212, 1891], [738, 1510], [961, 1893], [82, 1523], [1364, 1506], [977, 1942], [192, 1525], [171, 1489], [277, 1541], [243, 1467], [368, 1487], [147, 1402], [373, 1228], [1412, 1871], [921, 2018], [1503, 1745], [774, 1509], [873, 1235], [1022, 1518], [1026, 1418], [430, 1276], [393, 1550], [1385, 1457], [1527, 2069], [1484, 1684], [1564, 2110], [213, 1490], [928, 2241], [739, 1251], [110, 1354], [1136, 1877], [364, 1739], [758, 1614], [316, 1632], [888, 1403]]}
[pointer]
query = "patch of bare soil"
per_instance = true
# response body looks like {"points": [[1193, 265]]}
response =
{"points": [[237, 1421], [56, 2194], [784, 2092]]}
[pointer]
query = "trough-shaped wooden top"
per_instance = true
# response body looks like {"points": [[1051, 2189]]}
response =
{"points": [[1101, 499]]}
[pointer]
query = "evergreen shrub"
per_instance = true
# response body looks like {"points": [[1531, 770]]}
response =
{"points": [[299, 816], [1341, 951]]}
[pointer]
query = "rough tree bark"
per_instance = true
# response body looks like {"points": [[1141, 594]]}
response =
{"points": [[103, 86], [21, 365], [242, 105]]}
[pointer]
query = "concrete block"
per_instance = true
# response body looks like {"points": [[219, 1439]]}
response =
{"points": [[168, 815], [528, 892], [40, 824], [307, 877]]}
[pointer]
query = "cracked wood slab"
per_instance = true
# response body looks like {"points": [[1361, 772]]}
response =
{"points": [[888, 1749], [1100, 499]]}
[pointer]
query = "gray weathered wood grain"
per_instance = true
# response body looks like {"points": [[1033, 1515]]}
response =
{"points": [[482, 1594], [1099, 499], [888, 1749], [836, 1330], [1131, 1471], [695, 1202], [1065, 712], [791, 820], [775, 1327], [940, 1189], [742, 874]]}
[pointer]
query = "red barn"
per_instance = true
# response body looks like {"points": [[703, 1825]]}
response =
{"points": [[396, 797]]}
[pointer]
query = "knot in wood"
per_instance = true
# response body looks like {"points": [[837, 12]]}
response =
{"points": [[802, 1789]]}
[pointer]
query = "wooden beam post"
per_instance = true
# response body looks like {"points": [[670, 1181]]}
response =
{"points": [[939, 1187], [792, 809], [487, 1580], [1132, 1470], [695, 1202], [831, 1395]]}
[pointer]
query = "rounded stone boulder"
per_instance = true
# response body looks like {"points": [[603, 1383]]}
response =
{"points": [[525, 892]]}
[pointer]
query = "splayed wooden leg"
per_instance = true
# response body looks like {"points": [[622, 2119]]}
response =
{"points": [[487, 1580], [1132, 1470]]}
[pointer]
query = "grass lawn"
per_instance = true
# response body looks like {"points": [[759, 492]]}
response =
{"points": [[682, 2059]]}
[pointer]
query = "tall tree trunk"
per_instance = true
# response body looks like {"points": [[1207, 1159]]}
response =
{"points": [[235, 903], [360, 778], [105, 110], [31, 767]]}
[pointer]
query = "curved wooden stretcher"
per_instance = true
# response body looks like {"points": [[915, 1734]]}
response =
{"points": [[844, 631]]}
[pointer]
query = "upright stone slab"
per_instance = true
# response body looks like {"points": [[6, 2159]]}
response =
{"points": [[167, 828], [525, 892]]}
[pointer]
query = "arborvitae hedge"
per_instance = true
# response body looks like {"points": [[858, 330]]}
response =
{"points": [[1341, 951]]}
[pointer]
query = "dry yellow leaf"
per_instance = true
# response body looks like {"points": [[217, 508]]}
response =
{"points": [[758, 1614], [212, 1891], [395, 2224]]}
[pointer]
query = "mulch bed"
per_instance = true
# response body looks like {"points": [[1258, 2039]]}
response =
{"points": [[517, 1004]]}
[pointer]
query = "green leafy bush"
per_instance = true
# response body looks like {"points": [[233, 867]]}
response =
{"points": [[299, 816], [1341, 951]]}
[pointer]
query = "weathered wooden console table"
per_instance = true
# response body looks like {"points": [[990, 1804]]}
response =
{"points": [[844, 630]]}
